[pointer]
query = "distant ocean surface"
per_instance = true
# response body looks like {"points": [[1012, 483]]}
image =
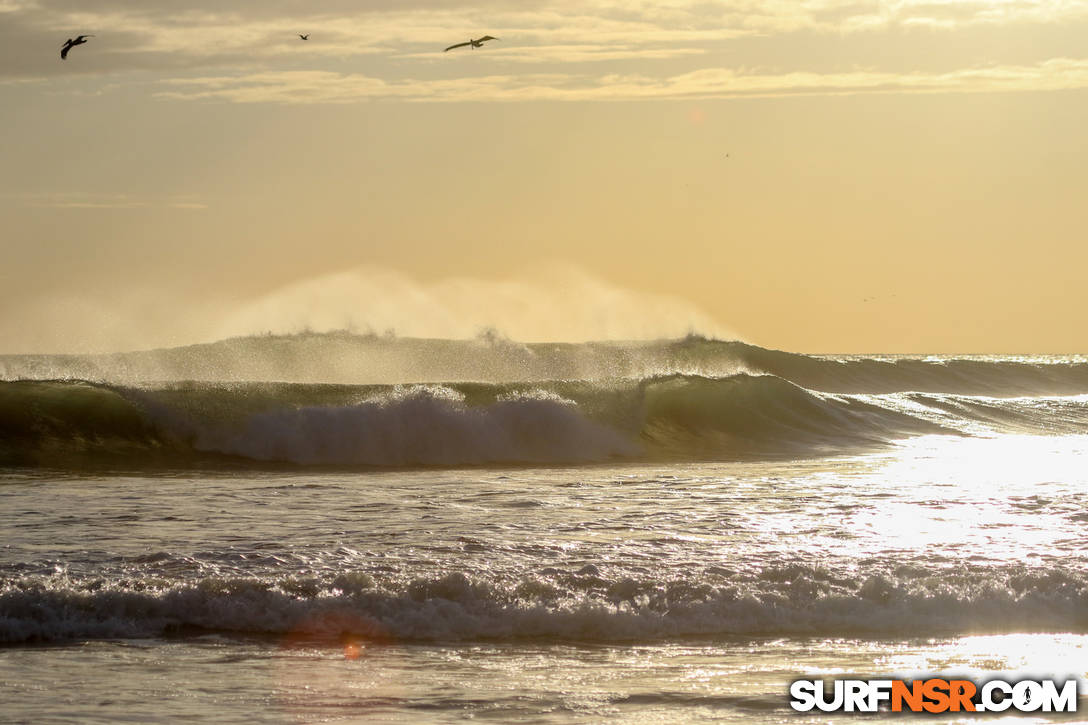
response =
{"points": [[333, 527]]}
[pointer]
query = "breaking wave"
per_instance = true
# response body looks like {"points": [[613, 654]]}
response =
{"points": [[570, 605], [691, 399], [667, 418]]}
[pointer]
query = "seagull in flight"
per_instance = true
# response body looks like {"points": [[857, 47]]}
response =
{"points": [[69, 44], [474, 43], [304, 37]]}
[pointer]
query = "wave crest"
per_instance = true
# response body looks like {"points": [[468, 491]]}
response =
{"points": [[350, 359]]}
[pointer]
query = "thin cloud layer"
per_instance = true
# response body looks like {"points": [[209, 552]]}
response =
{"points": [[89, 200], [330, 87], [246, 31]]}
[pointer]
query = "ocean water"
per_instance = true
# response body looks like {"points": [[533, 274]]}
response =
{"points": [[334, 528]]}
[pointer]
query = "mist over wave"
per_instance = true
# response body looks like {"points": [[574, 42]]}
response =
{"points": [[554, 302]]}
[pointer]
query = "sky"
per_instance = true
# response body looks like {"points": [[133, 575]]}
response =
{"points": [[891, 176]]}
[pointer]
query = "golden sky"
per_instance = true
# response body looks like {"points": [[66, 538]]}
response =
{"points": [[817, 176]]}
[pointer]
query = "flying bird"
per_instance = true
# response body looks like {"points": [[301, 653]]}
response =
{"points": [[69, 44], [474, 43], [304, 37]]}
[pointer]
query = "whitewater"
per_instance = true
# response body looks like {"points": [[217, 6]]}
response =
{"points": [[346, 528]]}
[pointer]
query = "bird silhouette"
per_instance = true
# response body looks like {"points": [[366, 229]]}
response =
{"points": [[304, 37], [474, 43], [69, 44]]}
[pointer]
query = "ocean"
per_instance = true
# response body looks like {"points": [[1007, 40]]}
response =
{"points": [[356, 528]]}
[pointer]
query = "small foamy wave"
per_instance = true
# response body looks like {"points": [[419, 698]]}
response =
{"points": [[792, 600]]}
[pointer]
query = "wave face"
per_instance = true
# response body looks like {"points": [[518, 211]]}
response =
{"points": [[664, 418], [690, 399], [568, 605]]}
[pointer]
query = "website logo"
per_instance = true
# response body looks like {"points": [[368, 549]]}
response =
{"points": [[934, 695]]}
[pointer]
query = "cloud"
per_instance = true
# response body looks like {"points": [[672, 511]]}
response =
{"points": [[330, 87], [15, 6], [559, 50], [231, 34], [576, 53]]}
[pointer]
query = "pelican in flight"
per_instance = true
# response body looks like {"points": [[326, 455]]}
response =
{"points": [[69, 44], [474, 43], [304, 37]]}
